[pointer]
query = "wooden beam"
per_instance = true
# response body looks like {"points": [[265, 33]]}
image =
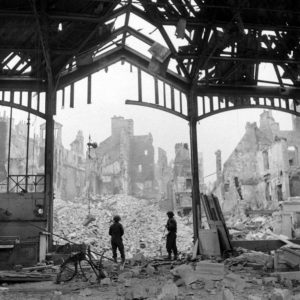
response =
{"points": [[261, 245]]}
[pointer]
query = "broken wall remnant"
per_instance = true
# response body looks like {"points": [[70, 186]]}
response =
{"points": [[123, 163], [163, 173], [180, 186], [69, 164], [263, 168]]}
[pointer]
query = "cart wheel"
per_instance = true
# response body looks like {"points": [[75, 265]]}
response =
{"points": [[67, 271]]}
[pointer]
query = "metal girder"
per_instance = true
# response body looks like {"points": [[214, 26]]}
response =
{"points": [[22, 84], [34, 50], [60, 16], [118, 54], [158, 25], [23, 108], [250, 91], [107, 16], [193, 23], [156, 106]]}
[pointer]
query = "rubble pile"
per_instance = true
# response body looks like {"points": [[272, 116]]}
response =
{"points": [[251, 228], [143, 221]]}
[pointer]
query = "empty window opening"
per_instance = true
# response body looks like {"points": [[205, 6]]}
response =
{"points": [[268, 191], [266, 160], [238, 187], [293, 155], [279, 192]]}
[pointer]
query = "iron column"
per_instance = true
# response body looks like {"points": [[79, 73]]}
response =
{"points": [[196, 208]]}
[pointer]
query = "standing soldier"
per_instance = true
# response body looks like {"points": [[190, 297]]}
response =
{"points": [[116, 232], [171, 236]]}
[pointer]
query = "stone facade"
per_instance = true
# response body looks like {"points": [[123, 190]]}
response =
{"points": [[69, 164], [123, 163], [163, 173], [181, 182], [264, 167]]}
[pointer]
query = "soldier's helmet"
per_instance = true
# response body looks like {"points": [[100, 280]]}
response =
{"points": [[170, 214], [117, 218]]}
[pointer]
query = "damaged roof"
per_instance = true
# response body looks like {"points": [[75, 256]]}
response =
{"points": [[201, 42]]}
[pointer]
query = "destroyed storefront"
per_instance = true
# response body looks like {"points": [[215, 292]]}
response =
{"points": [[263, 169], [123, 163]]}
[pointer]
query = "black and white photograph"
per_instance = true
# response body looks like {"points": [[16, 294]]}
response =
{"points": [[150, 149]]}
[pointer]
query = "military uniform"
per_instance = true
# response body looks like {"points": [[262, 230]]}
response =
{"points": [[116, 232], [171, 236]]}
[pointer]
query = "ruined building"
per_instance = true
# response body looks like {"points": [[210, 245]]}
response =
{"points": [[123, 163], [163, 173], [263, 169], [180, 186], [69, 164]]}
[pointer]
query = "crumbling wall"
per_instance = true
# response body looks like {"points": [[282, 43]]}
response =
{"points": [[240, 170], [262, 168], [123, 163], [142, 165], [163, 173]]}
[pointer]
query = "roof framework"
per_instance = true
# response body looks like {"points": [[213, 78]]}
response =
{"points": [[213, 44]]}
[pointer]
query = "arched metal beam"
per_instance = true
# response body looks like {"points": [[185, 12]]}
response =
{"points": [[159, 107], [24, 108], [207, 105]]}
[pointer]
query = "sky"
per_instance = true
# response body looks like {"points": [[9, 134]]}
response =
{"points": [[110, 90]]}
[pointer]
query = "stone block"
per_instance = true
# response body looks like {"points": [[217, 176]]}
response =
{"points": [[269, 280], [85, 292], [135, 271], [295, 275], [186, 273], [280, 294], [127, 283], [150, 270], [169, 291], [139, 292], [105, 281], [125, 275], [226, 294], [207, 267], [234, 281], [252, 297]]}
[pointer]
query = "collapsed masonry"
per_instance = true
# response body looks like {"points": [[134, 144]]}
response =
{"points": [[143, 221], [123, 163], [263, 169]]}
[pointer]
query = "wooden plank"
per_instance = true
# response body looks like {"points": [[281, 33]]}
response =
{"points": [[209, 242], [261, 245], [216, 220], [195, 249], [261, 212]]}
